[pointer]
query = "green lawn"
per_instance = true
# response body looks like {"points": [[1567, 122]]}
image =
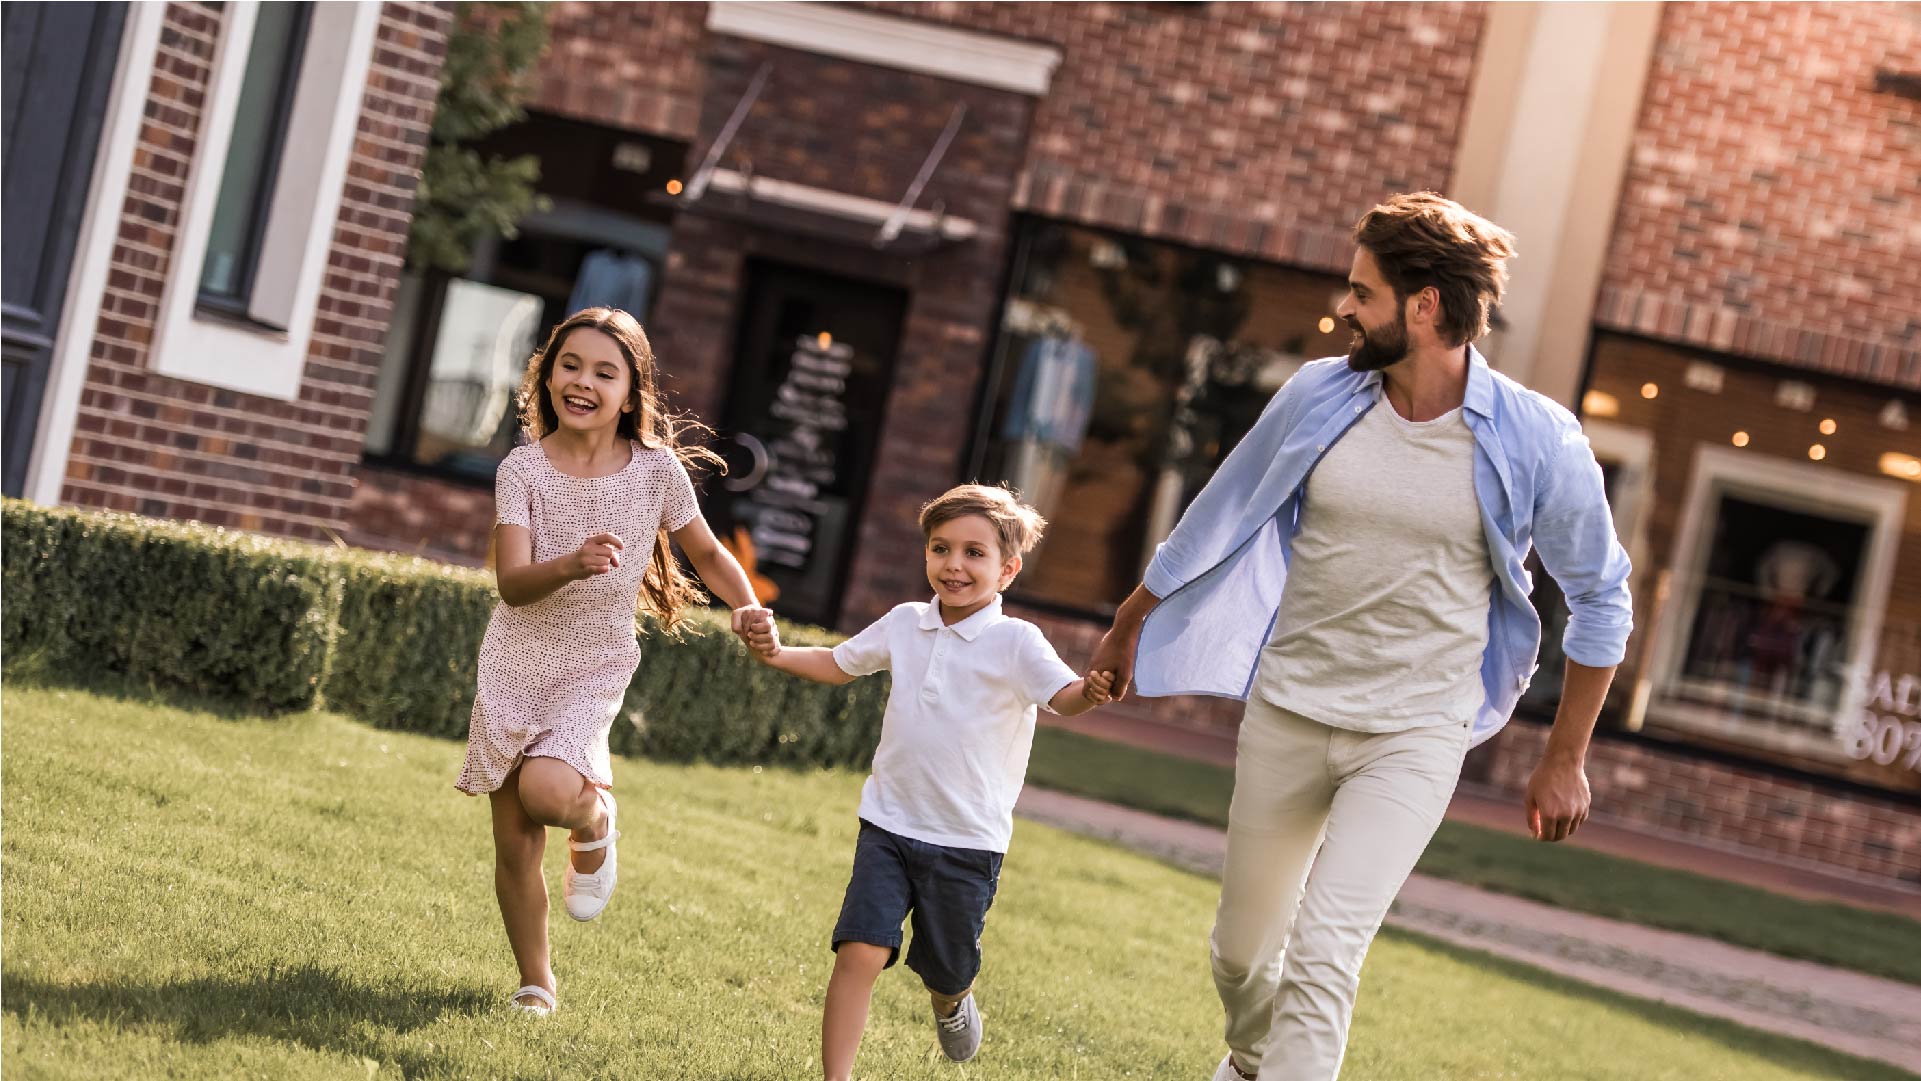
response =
{"points": [[194, 894], [1869, 941]]}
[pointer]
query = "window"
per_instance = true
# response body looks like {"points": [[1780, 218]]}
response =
{"points": [[457, 346], [247, 181], [1124, 372]]}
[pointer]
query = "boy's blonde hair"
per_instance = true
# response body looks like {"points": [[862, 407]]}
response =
{"points": [[1016, 525]]}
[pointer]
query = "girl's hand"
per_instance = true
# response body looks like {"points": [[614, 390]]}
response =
{"points": [[1098, 688], [598, 554]]}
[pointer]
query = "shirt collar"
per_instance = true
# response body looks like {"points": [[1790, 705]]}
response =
{"points": [[969, 628], [1480, 384]]}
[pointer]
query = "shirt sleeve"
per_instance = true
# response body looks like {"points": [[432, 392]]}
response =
{"points": [[1039, 672], [1574, 533], [867, 652], [680, 506], [513, 503]]}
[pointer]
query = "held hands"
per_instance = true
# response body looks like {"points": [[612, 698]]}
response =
{"points": [[1114, 659], [1098, 687], [598, 554], [755, 626]]}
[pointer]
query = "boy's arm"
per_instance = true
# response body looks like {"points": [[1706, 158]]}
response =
{"points": [[808, 662], [1096, 689]]}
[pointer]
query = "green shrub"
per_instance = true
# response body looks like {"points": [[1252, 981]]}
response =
{"points": [[390, 639]]}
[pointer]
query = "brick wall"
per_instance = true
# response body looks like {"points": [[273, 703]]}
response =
{"points": [[1716, 802], [1259, 129], [176, 448], [394, 510], [632, 66], [1772, 205]]}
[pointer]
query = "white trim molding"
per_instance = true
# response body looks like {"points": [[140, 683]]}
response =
{"points": [[333, 74], [93, 253], [906, 44]]}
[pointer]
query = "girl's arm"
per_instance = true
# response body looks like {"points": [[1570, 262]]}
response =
{"points": [[716, 566], [521, 581]]}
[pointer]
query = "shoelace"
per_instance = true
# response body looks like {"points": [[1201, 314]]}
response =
{"points": [[957, 1022]]}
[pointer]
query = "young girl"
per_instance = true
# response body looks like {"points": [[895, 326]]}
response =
{"points": [[604, 473]]}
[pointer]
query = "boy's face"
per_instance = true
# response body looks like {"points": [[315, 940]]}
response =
{"points": [[964, 563]]}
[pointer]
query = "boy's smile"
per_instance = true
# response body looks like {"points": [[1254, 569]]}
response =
{"points": [[965, 567]]}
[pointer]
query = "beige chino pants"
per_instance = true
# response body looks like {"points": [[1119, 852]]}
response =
{"points": [[1293, 927]]}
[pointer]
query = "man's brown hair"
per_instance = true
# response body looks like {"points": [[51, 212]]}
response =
{"points": [[1423, 239], [1016, 525]]}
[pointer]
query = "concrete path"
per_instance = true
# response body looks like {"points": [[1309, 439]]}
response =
{"points": [[1861, 1015]]}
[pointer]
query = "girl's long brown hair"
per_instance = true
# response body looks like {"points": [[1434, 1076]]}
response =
{"points": [[665, 590]]}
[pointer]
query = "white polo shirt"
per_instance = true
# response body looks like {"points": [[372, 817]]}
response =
{"points": [[959, 722]]}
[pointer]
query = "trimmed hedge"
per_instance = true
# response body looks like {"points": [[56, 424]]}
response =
{"points": [[281, 625]]}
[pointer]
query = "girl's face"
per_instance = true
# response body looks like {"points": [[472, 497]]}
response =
{"points": [[591, 384], [964, 563]]}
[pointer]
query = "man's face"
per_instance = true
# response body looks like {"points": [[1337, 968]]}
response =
{"points": [[1378, 320]]}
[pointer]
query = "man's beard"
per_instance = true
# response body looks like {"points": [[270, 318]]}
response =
{"points": [[1370, 351]]}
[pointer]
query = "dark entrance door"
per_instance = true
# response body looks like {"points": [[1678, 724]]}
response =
{"points": [[58, 69], [810, 383]]}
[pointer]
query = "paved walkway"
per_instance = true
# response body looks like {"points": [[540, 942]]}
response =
{"points": [[1861, 1015]]}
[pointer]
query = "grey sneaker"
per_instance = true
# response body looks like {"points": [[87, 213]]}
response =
{"points": [[960, 1035]]}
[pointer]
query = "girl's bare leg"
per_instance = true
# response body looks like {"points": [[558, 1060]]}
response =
{"points": [[553, 793], [849, 990], [519, 844]]}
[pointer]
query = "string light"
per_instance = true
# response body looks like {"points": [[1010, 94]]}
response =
{"points": [[673, 187], [824, 339], [1740, 439], [1327, 324], [1599, 403], [1817, 452], [1649, 390], [1828, 426]]}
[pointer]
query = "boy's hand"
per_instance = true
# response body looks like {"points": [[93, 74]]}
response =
{"points": [[1098, 687], [598, 554]]}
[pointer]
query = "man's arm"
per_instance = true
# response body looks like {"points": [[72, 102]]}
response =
{"points": [[1574, 534], [1115, 654], [1558, 797]]}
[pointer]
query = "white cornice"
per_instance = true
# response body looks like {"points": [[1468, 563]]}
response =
{"points": [[906, 44]]}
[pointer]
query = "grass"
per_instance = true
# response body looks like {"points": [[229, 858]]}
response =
{"points": [[202, 894], [1864, 940]]}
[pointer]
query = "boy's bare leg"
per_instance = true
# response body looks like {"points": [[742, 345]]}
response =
{"points": [[849, 990]]}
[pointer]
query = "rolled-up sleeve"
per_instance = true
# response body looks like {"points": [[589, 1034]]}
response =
{"points": [[1574, 533]]}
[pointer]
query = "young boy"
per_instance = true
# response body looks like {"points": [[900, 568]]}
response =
{"points": [[938, 811]]}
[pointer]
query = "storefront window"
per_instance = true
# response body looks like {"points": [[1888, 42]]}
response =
{"points": [[1124, 372], [1778, 599]]}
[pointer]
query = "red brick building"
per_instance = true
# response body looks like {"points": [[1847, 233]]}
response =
{"points": [[887, 247]]}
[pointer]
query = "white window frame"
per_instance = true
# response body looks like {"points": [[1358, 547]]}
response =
{"points": [[306, 203], [964, 56], [1809, 488]]}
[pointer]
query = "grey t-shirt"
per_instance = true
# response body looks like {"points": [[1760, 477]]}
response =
{"points": [[1384, 618]]}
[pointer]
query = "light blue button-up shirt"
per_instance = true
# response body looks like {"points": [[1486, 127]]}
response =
{"points": [[1221, 572]]}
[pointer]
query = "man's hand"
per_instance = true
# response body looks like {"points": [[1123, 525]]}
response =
{"points": [[1098, 687], [1114, 658], [1557, 798]]}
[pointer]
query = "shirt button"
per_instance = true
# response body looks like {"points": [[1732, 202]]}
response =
{"points": [[1322, 449], [1359, 409]]}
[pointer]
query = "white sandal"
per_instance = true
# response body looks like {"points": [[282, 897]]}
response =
{"points": [[587, 894], [543, 1008]]}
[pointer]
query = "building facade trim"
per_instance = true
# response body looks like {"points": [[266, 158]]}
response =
{"points": [[960, 55]]}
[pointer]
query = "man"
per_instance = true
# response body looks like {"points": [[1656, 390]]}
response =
{"points": [[1354, 572]]}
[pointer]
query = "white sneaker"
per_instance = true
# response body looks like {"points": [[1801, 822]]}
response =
{"points": [[587, 894], [1227, 1071]]}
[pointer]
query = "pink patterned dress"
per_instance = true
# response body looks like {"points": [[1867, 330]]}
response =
{"points": [[553, 673]]}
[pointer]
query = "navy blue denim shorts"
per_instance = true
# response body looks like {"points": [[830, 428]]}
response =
{"points": [[945, 890]]}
